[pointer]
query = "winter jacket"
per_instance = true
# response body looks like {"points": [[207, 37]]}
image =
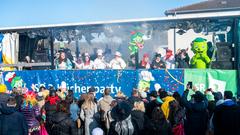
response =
{"points": [[63, 125], [158, 128], [226, 119], [89, 116], [50, 109], [158, 65], [131, 100], [150, 106], [104, 103], [182, 63], [12, 122], [196, 116], [74, 110], [138, 122]]}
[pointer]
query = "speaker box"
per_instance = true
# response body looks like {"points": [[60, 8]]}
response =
{"points": [[222, 65], [224, 51]]}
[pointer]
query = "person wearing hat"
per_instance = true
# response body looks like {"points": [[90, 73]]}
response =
{"points": [[12, 122], [196, 113], [117, 62], [169, 59], [145, 64], [99, 62], [157, 63], [122, 124], [182, 59], [87, 63], [152, 104]]}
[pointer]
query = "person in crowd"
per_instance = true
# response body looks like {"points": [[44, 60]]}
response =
{"points": [[143, 96], [63, 62], [87, 63], [169, 59], [51, 108], [157, 63], [178, 98], [132, 62], [137, 115], [211, 101], [182, 59], [17, 94], [122, 123], [31, 112], [117, 62], [104, 106], [158, 124], [3, 95], [89, 114], [92, 90], [134, 98], [167, 100], [226, 118], [40, 100], [62, 123], [145, 62], [99, 62], [152, 104], [12, 122], [120, 96], [196, 113]]}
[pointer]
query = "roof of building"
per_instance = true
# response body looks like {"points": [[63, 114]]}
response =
{"points": [[206, 6]]}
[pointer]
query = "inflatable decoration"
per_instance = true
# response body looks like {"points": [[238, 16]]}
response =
{"points": [[136, 42], [200, 58]]}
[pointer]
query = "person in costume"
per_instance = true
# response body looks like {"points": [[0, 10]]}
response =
{"points": [[99, 62], [157, 63], [145, 64], [200, 58], [169, 59], [117, 62], [31, 111], [87, 63], [63, 62]]}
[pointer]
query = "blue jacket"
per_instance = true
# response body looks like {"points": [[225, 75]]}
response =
{"points": [[12, 122]]}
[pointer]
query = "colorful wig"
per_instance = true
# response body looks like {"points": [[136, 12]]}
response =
{"points": [[29, 99]]}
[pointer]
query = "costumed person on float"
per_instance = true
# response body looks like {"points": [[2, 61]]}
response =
{"points": [[169, 59], [200, 58]]}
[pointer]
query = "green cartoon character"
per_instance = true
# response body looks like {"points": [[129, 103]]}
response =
{"points": [[136, 42], [14, 80], [145, 79], [200, 58]]}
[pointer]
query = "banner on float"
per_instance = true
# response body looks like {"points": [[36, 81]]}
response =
{"points": [[218, 80], [81, 80]]}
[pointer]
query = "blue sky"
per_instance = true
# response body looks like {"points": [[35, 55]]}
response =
{"points": [[37, 12]]}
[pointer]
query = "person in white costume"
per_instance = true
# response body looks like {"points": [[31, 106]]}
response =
{"points": [[99, 62], [117, 62]]}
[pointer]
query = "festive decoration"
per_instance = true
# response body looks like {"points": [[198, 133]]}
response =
{"points": [[200, 58], [144, 83], [136, 42], [14, 80]]}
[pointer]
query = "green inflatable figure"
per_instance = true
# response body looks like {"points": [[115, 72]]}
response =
{"points": [[200, 58], [136, 42]]}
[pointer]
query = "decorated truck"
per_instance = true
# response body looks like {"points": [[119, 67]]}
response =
{"points": [[31, 55]]}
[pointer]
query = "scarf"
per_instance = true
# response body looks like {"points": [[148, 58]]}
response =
{"points": [[124, 127], [53, 100], [165, 106]]}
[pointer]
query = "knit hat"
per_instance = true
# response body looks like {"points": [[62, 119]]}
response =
{"points": [[3, 88], [97, 131]]}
